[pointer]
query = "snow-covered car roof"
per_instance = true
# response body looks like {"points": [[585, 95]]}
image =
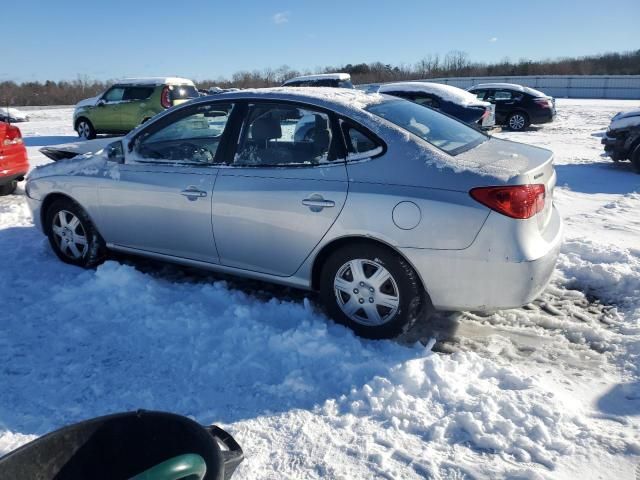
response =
{"points": [[445, 92], [155, 81], [510, 86], [321, 76]]}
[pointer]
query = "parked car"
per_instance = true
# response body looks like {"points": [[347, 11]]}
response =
{"points": [[386, 208], [13, 158], [336, 80], [451, 100], [517, 107], [12, 115], [622, 140], [129, 103]]}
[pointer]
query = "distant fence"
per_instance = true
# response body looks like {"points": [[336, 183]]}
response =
{"points": [[563, 86]]}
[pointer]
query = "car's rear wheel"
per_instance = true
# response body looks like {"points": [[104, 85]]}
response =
{"points": [[85, 129], [517, 121], [8, 188], [371, 290], [72, 235]]}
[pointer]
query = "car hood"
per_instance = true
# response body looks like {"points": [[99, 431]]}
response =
{"points": [[630, 118], [88, 102], [70, 150]]}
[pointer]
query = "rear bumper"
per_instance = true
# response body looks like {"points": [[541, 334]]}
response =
{"points": [[542, 116], [488, 275], [13, 165]]}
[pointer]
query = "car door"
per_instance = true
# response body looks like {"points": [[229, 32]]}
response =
{"points": [[106, 115], [161, 199], [134, 103], [503, 100], [281, 192]]}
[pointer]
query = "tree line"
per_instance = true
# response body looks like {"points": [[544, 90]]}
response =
{"points": [[453, 64]]}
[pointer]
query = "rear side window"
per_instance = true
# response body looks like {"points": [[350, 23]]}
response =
{"points": [[503, 95], [285, 135], [359, 144], [137, 93], [182, 92], [442, 131]]}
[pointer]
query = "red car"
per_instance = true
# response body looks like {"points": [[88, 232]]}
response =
{"points": [[13, 158]]}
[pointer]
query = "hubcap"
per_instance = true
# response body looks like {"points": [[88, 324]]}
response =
{"points": [[69, 235], [83, 130], [366, 292], [516, 122]]}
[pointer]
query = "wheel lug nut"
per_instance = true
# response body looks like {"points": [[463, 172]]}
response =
{"points": [[362, 284], [361, 300], [370, 299], [355, 290], [371, 289]]}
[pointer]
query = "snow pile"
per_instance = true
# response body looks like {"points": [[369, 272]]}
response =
{"points": [[446, 92]]}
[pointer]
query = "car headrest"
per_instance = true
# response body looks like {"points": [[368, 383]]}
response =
{"points": [[266, 128]]}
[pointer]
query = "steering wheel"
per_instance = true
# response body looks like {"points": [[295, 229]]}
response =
{"points": [[191, 151]]}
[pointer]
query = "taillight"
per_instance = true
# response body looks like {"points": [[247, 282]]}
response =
{"points": [[12, 136], [486, 113], [515, 201], [543, 102], [165, 97]]}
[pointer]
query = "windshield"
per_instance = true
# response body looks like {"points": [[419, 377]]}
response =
{"points": [[439, 130]]}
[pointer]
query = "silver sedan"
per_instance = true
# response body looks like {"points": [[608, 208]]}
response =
{"points": [[386, 207]]}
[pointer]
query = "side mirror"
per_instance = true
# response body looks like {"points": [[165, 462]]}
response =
{"points": [[115, 152], [101, 103]]}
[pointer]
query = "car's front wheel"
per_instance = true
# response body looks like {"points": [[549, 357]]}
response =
{"points": [[85, 129], [72, 235], [517, 121], [371, 290]]}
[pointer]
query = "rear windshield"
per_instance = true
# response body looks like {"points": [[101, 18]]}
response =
{"points": [[533, 92], [180, 92], [439, 130]]}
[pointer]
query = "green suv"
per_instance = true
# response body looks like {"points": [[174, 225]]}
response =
{"points": [[129, 103]]}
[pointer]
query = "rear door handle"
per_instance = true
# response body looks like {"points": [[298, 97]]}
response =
{"points": [[192, 193], [317, 203]]}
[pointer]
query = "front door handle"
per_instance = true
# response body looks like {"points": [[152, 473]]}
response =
{"points": [[317, 203], [193, 193]]}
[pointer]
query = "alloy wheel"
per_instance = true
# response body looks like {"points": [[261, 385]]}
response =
{"points": [[517, 122], [70, 235], [366, 292], [84, 130]]}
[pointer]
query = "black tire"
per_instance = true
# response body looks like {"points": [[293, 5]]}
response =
{"points": [[517, 121], [84, 129], [412, 298], [8, 188], [95, 250], [635, 159]]}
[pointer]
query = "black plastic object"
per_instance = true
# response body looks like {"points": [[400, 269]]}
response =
{"points": [[121, 446]]}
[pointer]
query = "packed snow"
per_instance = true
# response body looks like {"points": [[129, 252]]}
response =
{"points": [[547, 391]]}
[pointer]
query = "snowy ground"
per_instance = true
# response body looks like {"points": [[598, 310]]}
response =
{"points": [[551, 390]]}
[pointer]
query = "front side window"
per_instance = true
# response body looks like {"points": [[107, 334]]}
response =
{"points": [[115, 94], [193, 138], [442, 131], [479, 94], [284, 135]]}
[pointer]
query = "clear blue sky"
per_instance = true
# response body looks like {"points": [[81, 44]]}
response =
{"points": [[205, 39]]}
